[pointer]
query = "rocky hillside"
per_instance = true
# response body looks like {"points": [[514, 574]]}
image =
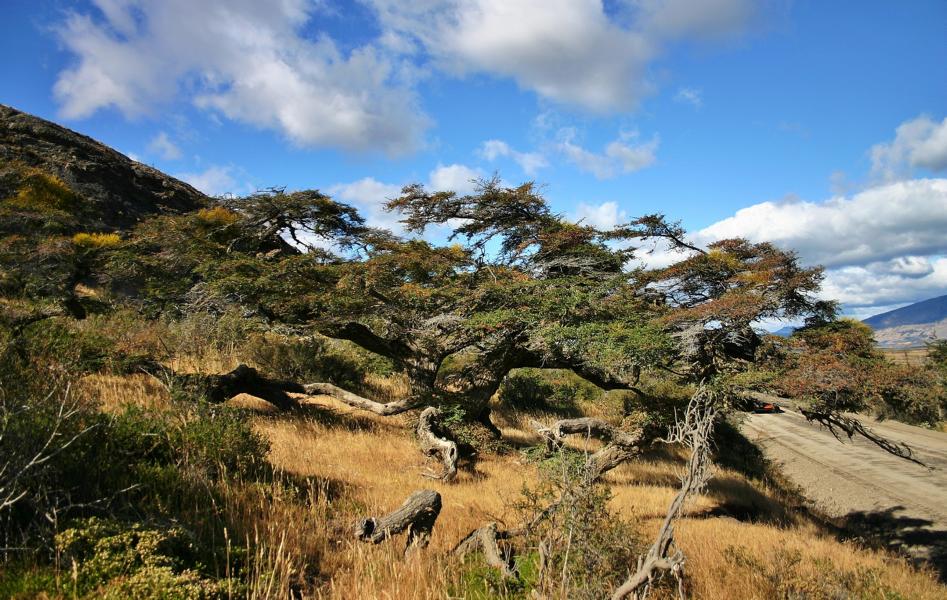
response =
{"points": [[116, 191], [911, 325]]}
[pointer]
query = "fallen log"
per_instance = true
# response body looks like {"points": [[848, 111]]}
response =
{"points": [[416, 515], [218, 388], [434, 442]]}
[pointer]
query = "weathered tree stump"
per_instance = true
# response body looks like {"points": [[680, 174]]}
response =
{"points": [[416, 515], [434, 442]]}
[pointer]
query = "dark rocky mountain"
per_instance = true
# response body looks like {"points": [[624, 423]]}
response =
{"points": [[911, 325], [926, 311], [115, 190]]}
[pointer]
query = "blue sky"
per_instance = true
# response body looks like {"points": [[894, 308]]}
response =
{"points": [[819, 125]]}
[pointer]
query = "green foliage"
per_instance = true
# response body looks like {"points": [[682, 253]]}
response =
{"points": [[315, 358], [937, 355], [588, 549], [71, 349], [112, 559], [543, 389]]}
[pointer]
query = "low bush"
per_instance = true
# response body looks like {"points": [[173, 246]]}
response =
{"points": [[787, 574], [114, 559]]}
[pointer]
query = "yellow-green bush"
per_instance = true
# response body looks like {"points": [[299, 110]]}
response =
{"points": [[112, 559], [40, 191], [96, 240], [217, 216]]}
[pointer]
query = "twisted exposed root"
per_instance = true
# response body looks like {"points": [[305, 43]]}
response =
{"points": [[435, 443]]}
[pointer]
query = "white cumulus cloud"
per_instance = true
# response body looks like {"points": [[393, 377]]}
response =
{"points": [[213, 181], [369, 196], [529, 162], [686, 95], [162, 145], [602, 216], [454, 178], [882, 246], [620, 156], [918, 143], [250, 61], [577, 52], [905, 218]]}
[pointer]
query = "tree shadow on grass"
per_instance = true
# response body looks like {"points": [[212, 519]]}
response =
{"points": [[911, 536]]}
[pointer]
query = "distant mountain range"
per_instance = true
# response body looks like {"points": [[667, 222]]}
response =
{"points": [[905, 327], [911, 325]]}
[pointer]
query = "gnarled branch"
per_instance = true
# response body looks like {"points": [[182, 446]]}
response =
{"points": [[620, 445], [662, 557], [384, 409], [485, 539]]}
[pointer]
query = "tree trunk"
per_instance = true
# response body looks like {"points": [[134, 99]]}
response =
{"points": [[416, 515]]}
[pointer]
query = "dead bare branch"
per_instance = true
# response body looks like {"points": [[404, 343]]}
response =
{"points": [[663, 557], [384, 409], [851, 426]]}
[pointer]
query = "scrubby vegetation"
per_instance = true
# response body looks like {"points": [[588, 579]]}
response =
{"points": [[202, 406]]}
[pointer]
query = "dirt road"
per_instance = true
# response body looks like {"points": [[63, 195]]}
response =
{"points": [[898, 502]]}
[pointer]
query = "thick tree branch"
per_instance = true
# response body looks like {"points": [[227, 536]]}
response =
{"points": [[620, 445], [485, 539]]}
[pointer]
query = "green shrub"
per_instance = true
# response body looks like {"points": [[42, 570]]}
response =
{"points": [[113, 559]]}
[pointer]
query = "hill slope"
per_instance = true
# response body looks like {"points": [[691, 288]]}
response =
{"points": [[117, 191], [911, 325]]}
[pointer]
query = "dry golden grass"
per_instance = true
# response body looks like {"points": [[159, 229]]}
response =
{"points": [[359, 464], [113, 392]]}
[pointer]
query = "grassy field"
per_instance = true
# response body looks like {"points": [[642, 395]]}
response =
{"points": [[914, 357], [741, 536]]}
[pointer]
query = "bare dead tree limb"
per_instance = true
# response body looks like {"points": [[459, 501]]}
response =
{"points": [[435, 443], [620, 445], [663, 557], [416, 515]]}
